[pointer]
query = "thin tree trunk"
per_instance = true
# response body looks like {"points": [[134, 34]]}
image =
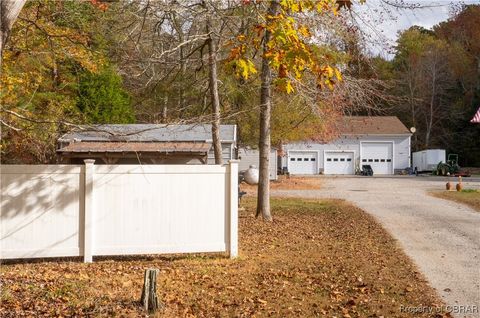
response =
{"points": [[431, 108], [213, 79], [263, 198], [183, 63], [165, 110], [412, 90]]}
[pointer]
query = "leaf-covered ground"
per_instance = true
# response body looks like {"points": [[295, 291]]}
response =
{"points": [[318, 258], [286, 183]]}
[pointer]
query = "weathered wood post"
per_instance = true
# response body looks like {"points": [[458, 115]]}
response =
{"points": [[149, 297]]}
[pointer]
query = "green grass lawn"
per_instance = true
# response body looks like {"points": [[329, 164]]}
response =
{"points": [[468, 197]]}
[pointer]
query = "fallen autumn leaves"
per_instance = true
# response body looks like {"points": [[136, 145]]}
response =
{"points": [[318, 258]]}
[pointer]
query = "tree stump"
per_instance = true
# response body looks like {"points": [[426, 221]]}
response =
{"points": [[149, 297]]}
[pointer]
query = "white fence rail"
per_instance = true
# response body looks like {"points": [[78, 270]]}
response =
{"points": [[88, 210]]}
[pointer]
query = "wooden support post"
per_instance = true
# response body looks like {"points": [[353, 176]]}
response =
{"points": [[232, 239], [88, 213], [149, 297]]}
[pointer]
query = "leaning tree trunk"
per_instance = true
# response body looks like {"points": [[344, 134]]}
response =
{"points": [[263, 198], [9, 11], [213, 79]]}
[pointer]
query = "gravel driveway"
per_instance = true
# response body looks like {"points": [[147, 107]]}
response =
{"points": [[442, 237]]}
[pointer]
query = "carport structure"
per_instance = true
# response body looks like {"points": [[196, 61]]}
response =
{"points": [[146, 144], [151, 152]]}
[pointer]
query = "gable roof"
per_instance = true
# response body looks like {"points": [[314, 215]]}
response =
{"points": [[149, 133], [372, 125]]}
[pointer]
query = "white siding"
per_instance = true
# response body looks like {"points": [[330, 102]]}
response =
{"points": [[227, 153], [401, 145], [250, 157]]}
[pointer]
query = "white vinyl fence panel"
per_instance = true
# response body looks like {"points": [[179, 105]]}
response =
{"points": [[40, 211], [87, 210]]}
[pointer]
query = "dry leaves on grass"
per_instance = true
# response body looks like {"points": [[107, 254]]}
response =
{"points": [[318, 258], [287, 183]]}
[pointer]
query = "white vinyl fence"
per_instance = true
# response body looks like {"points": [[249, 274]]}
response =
{"points": [[88, 210]]}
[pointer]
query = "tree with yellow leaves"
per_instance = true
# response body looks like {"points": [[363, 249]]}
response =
{"points": [[286, 49], [54, 69]]}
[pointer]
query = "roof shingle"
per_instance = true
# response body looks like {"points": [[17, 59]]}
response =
{"points": [[163, 147], [149, 133], [371, 125]]}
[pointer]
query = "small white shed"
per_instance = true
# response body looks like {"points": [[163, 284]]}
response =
{"points": [[250, 157]]}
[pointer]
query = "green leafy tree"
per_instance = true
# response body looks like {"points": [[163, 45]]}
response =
{"points": [[51, 46], [102, 98]]}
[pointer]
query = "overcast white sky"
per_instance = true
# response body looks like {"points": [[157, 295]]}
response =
{"points": [[382, 22]]}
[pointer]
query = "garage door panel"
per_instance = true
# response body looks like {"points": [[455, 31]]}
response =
{"points": [[303, 162], [339, 163], [379, 155]]}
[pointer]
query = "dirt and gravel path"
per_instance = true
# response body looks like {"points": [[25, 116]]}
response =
{"points": [[442, 237]]}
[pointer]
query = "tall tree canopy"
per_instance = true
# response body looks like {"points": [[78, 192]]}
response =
{"points": [[58, 56], [55, 48], [437, 76]]}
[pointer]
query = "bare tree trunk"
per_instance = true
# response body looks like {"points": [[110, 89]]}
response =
{"points": [[213, 79], [9, 11], [183, 64], [412, 90], [263, 198], [165, 110]]}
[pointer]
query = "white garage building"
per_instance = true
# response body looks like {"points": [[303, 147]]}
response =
{"points": [[382, 142]]}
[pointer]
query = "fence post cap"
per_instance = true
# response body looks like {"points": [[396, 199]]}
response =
{"points": [[233, 161], [89, 161]]}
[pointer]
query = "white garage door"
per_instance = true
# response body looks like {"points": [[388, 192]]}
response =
{"points": [[337, 162], [379, 155], [302, 162]]}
